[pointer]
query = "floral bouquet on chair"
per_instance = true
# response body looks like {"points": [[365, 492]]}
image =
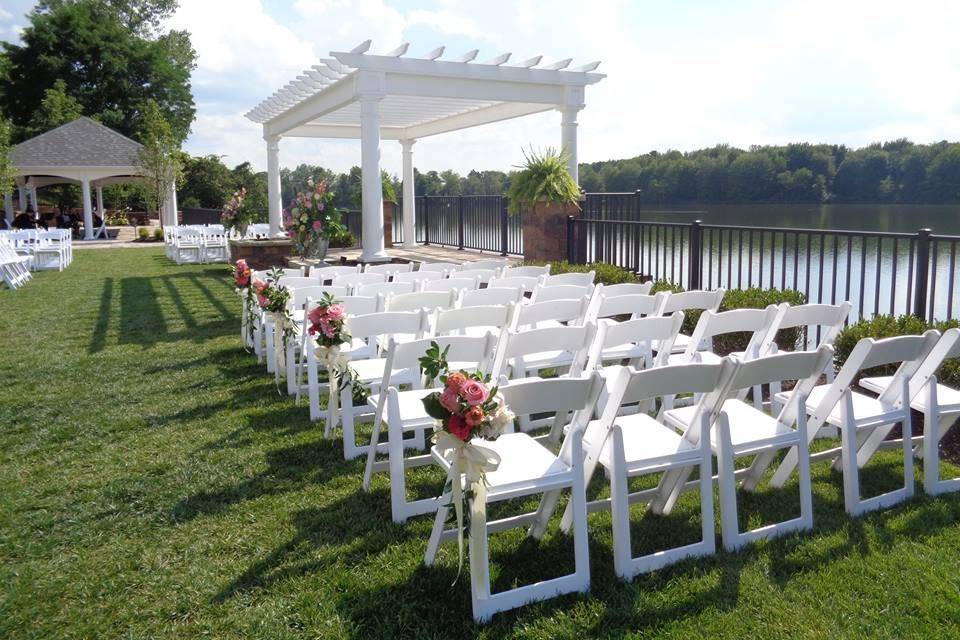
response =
{"points": [[273, 298], [242, 277], [466, 409], [328, 325]]}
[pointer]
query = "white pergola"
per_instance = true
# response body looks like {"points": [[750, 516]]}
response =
{"points": [[356, 94], [82, 152]]}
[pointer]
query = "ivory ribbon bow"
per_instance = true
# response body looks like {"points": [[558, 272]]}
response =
{"points": [[280, 326], [473, 461]]}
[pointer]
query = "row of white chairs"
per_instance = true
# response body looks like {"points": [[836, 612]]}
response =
{"points": [[14, 268], [197, 244], [45, 249]]}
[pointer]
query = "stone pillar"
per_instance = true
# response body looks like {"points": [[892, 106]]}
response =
{"points": [[409, 197], [87, 209], [274, 196], [372, 184], [568, 126], [545, 231]]}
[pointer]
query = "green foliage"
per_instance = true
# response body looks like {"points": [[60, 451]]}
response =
{"points": [[206, 182], [543, 177], [255, 184], [7, 170], [887, 326], [143, 234], [343, 239], [117, 218], [56, 108], [111, 60], [158, 234], [160, 158], [605, 273]]}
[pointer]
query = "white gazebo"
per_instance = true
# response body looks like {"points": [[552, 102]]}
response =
{"points": [[355, 94], [82, 152]]}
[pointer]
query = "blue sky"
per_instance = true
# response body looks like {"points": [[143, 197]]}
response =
{"points": [[680, 75]]}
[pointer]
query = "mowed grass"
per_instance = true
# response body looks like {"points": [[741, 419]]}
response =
{"points": [[154, 484]]}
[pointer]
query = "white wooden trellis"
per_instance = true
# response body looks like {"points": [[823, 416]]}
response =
{"points": [[355, 94]]}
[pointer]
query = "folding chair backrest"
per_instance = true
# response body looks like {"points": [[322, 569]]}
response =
{"points": [[352, 280], [421, 300], [383, 324], [572, 278], [292, 272], [524, 283], [300, 295], [328, 273], [651, 332], [419, 276], [442, 267], [488, 296], [634, 305], [451, 284], [947, 347], [360, 305], [625, 289], [758, 322], [491, 265], [828, 319], [906, 351], [389, 269], [447, 321], [295, 282], [571, 400], [562, 292], [462, 349], [805, 367], [525, 272], [575, 340], [484, 275], [692, 300], [385, 288], [572, 311]]}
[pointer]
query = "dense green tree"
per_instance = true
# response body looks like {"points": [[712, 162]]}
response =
{"points": [[206, 182], [109, 57], [255, 183], [56, 108], [943, 176], [6, 165]]}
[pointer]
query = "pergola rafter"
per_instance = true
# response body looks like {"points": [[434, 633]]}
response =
{"points": [[392, 96]]}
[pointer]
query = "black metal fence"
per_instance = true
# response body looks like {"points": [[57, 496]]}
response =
{"points": [[481, 223], [878, 273]]}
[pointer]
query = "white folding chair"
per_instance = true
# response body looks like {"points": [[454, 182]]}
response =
{"points": [[389, 269], [215, 247], [528, 468], [630, 446], [939, 404], [451, 284], [567, 279], [562, 292], [865, 422], [189, 247], [473, 321], [403, 412], [625, 289], [327, 274], [525, 272], [429, 300], [352, 281], [385, 289], [441, 267], [484, 275], [635, 340], [488, 297], [526, 284], [633, 305], [419, 277], [691, 301], [819, 325], [492, 265]]}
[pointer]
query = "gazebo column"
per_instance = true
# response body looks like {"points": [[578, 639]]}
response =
{"points": [[87, 209], [371, 182], [568, 127], [22, 196], [32, 193], [172, 203], [409, 196], [8, 207], [274, 199]]}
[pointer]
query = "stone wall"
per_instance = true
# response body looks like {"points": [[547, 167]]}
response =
{"points": [[545, 231]]}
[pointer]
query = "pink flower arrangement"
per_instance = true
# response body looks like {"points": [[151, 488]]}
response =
{"points": [[312, 217], [327, 322], [241, 274]]}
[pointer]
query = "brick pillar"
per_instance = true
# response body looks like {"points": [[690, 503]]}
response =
{"points": [[388, 208], [545, 231]]}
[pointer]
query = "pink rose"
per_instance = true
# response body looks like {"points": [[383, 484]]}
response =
{"points": [[456, 381], [315, 315], [458, 427], [326, 328], [474, 392], [317, 225], [263, 301], [474, 416], [335, 312], [449, 400]]}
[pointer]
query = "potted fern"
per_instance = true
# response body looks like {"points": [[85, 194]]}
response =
{"points": [[548, 194]]}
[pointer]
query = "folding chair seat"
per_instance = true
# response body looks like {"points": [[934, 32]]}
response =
{"points": [[691, 301], [629, 446], [865, 422], [404, 413], [527, 468]]}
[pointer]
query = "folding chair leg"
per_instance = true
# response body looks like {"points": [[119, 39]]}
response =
{"points": [[620, 511], [436, 535], [851, 473], [313, 393], [729, 524]]}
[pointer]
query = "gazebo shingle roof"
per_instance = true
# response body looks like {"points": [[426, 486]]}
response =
{"points": [[80, 143]]}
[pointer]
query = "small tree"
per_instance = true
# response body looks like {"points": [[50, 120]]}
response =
{"points": [[7, 170], [160, 158]]}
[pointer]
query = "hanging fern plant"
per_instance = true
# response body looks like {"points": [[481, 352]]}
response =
{"points": [[543, 177]]}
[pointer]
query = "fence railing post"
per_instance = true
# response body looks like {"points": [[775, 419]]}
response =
{"points": [[636, 204], [696, 241], [504, 222], [921, 287], [460, 222], [426, 219], [571, 258]]}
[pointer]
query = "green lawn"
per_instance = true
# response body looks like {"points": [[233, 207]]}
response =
{"points": [[154, 484]]}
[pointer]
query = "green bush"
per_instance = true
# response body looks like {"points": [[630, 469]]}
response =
{"points": [[606, 274], [158, 234], [888, 327], [143, 234], [343, 239]]}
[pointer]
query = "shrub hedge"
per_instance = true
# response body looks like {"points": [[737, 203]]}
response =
{"points": [[887, 326], [606, 274], [143, 234], [158, 234]]}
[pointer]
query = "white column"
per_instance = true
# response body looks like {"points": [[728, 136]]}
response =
{"points": [[409, 196], [32, 193], [172, 210], [568, 126], [274, 197], [87, 209], [22, 195], [372, 185], [8, 206], [102, 212]]}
